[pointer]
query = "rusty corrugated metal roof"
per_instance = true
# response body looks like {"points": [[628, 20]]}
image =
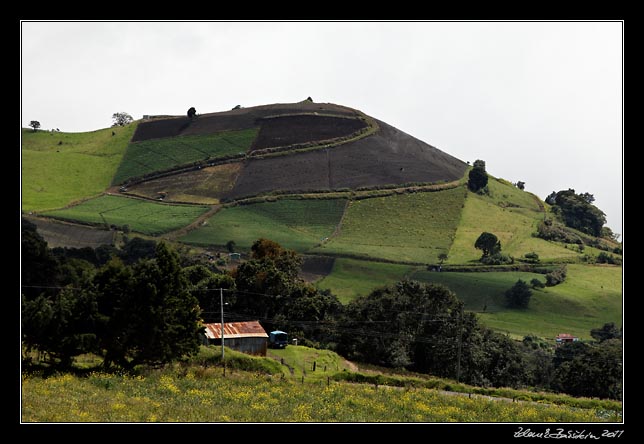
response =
{"points": [[249, 329]]}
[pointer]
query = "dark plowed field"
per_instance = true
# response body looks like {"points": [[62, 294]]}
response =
{"points": [[58, 234], [242, 118], [289, 130], [387, 157]]}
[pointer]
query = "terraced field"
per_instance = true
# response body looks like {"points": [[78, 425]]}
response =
{"points": [[149, 156], [411, 227], [294, 224], [142, 216]]}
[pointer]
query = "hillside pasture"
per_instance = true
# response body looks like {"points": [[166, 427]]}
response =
{"points": [[410, 227], [351, 278], [60, 168], [148, 156], [294, 224], [205, 185], [142, 216], [512, 215], [590, 297]]}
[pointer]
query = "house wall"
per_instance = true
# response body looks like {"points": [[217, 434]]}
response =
{"points": [[251, 346]]}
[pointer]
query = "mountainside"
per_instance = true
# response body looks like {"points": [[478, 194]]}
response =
{"points": [[364, 203]]}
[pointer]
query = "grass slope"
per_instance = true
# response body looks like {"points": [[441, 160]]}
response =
{"points": [[351, 278], [414, 227], [55, 174], [512, 215], [294, 224], [161, 154], [142, 216], [590, 297]]}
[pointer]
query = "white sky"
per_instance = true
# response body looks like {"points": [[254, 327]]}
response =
{"points": [[540, 102]]}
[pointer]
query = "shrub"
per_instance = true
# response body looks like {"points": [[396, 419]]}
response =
{"points": [[556, 277], [519, 295], [536, 283]]}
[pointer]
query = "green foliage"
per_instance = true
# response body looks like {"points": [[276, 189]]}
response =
{"points": [[153, 155], [419, 326], [141, 216], [268, 287], [35, 125], [531, 257], [536, 283], [488, 243], [608, 331], [519, 295], [577, 211], [592, 370], [605, 258], [497, 259], [477, 177], [556, 276], [148, 315]]}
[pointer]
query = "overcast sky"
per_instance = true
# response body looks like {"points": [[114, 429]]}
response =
{"points": [[540, 102]]}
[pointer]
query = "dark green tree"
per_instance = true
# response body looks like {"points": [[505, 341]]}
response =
{"points": [[35, 125], [521, 185], [488, 243], [147, 312], [442, 257], [591, 370], [230, 246], [606, 332], [519, 295], [192, 112], [477, 177]]}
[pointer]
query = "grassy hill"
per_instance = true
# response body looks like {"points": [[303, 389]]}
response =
{"points": [[325, 180], [60, 168]]}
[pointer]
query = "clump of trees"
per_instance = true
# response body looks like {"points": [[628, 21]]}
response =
{"points": [[192, 112], [121, 119], [577, 211], [477, 178]]}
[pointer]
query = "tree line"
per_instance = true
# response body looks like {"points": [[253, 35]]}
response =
{"points": [[146, 304]]}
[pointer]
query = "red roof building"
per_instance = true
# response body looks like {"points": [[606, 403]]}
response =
{"points": [[563, 338], [247, 337]]}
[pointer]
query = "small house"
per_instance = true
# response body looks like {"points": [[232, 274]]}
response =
{"points": [[247, 337], [564, 338]]}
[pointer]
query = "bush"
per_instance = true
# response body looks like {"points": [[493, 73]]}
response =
{"points": [[531, 257], [497, 259], [556, 277], [519, 295], [536, 283]]}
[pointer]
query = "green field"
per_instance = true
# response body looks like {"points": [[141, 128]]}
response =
{"points": [[202, 394], [512, 215], [294, 224], [143, 216], [414, 227], [60, 168], [351, 278], [590, 297], [161, 154]]}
